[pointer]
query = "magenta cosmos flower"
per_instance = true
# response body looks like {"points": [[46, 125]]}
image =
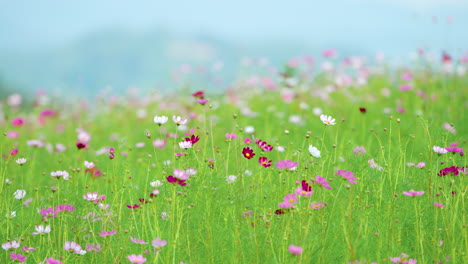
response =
{"points": [[296, 250], [263, 161], [248, 152], [453, 170], [289, 201], [264, 145], [413, 193], [304, 190], [286, 164], [322, 182]]}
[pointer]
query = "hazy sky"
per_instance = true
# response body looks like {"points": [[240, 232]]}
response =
{"points": [[379, 24]]}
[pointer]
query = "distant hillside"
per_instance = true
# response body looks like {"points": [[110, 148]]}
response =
{"points": [[120, 60]]}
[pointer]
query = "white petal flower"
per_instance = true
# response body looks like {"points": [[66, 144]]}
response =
{"points": [[249, 129], [231, 178], [19, 194], [439, 150], [21, 161], [185, 144], [160, 119], [88, 164], [314, 151], [327, 120], [178, 120], [156, 183]]}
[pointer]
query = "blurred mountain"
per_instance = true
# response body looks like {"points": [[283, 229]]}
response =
{"points": [[121, 59]]}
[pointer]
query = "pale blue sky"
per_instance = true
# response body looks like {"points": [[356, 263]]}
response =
{"points": [[380, 24]]}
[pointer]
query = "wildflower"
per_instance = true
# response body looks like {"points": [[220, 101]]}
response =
{"points": [[160, 120], [453, 170], [231, 178], [51, 261], [374, 165], [19, 194], [88, 164], [203, 101], [421, 164], [247, 141], [138, 241], [413, 193], [136, 258], [11, 245], [107, 233], [173, 179], [249, 129], [94, 197], [60, 174], [247, 214], [263, 161], [18, 257], [286, 164], [314, 151], [191, 171], [164, 215], [158, 243], [362, 110], [248, 152], [327, 120], [35, 143], [305, 189], [449, 128], [199, 94], [403, 259], [41, 230], [21, 161], [317, 205], [159, 143], [180, 174], [28, 249], [27, 202], [454, 149], [296, 250], [178, 120], [359, 151], [439, 205], [322, 182], [264, 145], [156, 183], [406, 87], [231, 136], [439, 150], [74, 248], [349, 176], [194, 139], [185, 144], [135, 206], [94, 248], [13, 152], [17, 121], [280, 148]]}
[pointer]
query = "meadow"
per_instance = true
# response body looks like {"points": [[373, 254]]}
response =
{"points": [[345, 161]]}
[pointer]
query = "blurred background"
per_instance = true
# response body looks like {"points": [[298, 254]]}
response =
{"points": [[83, 47]]}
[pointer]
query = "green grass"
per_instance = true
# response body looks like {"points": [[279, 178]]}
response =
{"points": [[368, 221]]}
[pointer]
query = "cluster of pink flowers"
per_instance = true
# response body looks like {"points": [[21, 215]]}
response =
{"points": [[51, 212]]}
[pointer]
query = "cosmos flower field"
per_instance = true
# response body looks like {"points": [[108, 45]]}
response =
{"points": [[343, 161]]}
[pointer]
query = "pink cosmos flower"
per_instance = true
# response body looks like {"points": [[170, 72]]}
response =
{"points": [[304, 190], [406, 87], [322, 182], [231, 136], [158, 243], [247, 141], [203, 101], [264, 145], [413, 193], [11, 245], [286, 164], [107, 233], [317, 205], [421, 164], [96, 248], [349, 176], [136, 258], [51, 260], [159, 143], [359, 151], [17, 121], [18, 257], [12, 134], [74, 248], [138, 241], [439, 205], [296, 250]]}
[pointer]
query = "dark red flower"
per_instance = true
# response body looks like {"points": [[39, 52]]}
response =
{"points": [[135, 206], [80, 145], [248, 152], [194, 139], [446, 58], [199, 94], [305, 186], [362, 110], [142, 200], [173, 179]]}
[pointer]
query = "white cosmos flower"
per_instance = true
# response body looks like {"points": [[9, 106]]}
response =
{"points": [[185, 144], [156, 183], [41, 230], [178, 120], [21, 161], [19, 194], [439, 150], [231, 178], [314, 151], [88, 164], [327, 120], [249, 129], [160, 119]]}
